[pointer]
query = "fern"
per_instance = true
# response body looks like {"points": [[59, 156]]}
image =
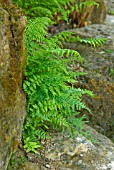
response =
{"points": [[72, 37], [111, 12], [67, 36], [93, 41], [51, 104]]}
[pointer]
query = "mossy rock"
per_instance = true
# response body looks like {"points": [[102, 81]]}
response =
{"points": [[12, 98]]}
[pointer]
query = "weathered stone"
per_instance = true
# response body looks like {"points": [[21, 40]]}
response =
{"points": [[109, 5], [64, 153], [31, 166], [12, 98]]}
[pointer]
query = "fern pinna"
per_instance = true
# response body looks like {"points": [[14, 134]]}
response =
{"points": [[50, 102]]}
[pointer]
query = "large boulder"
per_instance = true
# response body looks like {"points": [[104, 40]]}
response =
{"points": [[12, 64]]}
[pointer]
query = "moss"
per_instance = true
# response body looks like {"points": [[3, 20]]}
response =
{"points": [[12, 80]]}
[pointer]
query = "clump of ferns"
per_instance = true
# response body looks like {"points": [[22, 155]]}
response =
{"points": [[50, 102], [59, 10]]}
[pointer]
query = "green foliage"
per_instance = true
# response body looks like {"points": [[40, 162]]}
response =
{"points": [[83, 5], [87, 4], [72, 37], [111, 72], [44, 8], [108, 51], [31, 146], [51, 104], [93, 41], [13, 161], [111, 12], [60, 8], [52, 101]]}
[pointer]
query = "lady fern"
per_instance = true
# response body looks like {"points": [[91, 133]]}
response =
{"points": [[51, 104]]}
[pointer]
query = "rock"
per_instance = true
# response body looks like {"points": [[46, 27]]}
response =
{"points": [[98, 65], [12, 64], [98, 14], [64, 153], [31, 166]]}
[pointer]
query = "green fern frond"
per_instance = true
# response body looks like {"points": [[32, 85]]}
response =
{"points": [[93, 41], [64, 36], [39, 12], [111, 12], [67, 53], [72, 37], [37, 29]]}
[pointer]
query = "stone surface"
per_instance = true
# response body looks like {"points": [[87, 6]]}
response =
{"points": [[12, 98], [64, 153], [109, 5]]}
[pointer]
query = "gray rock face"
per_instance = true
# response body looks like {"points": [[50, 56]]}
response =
{"points": [[12, 63], [64, 153]]}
